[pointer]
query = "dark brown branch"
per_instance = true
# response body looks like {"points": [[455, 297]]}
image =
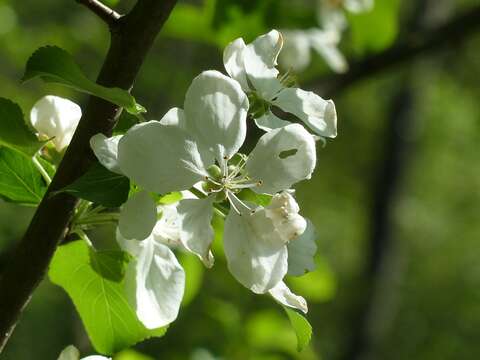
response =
{"points": [[406, 49], [131, 40], [108, 15]]}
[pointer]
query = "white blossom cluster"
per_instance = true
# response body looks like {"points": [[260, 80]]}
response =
{"points": [[197, 151], [323, 39]]}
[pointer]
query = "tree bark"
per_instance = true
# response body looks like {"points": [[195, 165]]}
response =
{"points": [[132, 36]]}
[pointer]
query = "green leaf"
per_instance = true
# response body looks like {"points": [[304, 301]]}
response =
{"points": [[302, 328], [132, 355], [54, 64], [14, 133], [100, 186], [94, 282], [20, 181]]}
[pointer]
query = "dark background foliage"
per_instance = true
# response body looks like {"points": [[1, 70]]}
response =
{"points": [[395, 198]]}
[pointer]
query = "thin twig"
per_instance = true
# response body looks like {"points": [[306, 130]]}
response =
{"points": [[108, 15]]}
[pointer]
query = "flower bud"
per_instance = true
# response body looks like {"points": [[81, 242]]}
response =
{"points": [[283, 211], [55, 118], [214, 171]]}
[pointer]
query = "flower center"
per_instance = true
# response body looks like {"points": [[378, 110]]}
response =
{"points": [[258, 105], [231, 181]]}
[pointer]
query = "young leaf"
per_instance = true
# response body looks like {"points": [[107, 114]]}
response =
{"points": [[101, 186], [94, 282], [54, 64], [302, 328], [20, 181], [14, 133]]}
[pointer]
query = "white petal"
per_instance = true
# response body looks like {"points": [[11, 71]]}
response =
{"points": [[175, 117], [284, 296], [326, 44], [301, 252], [260, 59], [269, 122], [106, 151], [281, 158], [56, 117], [69, 353], [155, 284], [331, 16], [296, 50], [138, 216], [196, 233], [167, 229], [216, 112], [95, 357], [358, 6], [233, 62], [318, 114], [162, 158], [256, 254]]}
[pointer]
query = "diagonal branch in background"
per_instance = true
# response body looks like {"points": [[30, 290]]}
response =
{"points": [[406, 49], [131, 38], [108, 15]]}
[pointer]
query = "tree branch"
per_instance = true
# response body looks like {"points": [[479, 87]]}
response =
{"points": [[108, 15], [406, 49], [131, 39]]}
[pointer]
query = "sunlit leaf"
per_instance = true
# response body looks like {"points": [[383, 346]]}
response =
{"points": [[14, 133], [101, 186], [302, 328], [54, 64], [94, 282], [131, 355], [20, 181]]}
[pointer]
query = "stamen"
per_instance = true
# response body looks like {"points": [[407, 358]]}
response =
{"points": [[240, 166], [246, 186], [213, 181], [232, 204], [234, 199]]}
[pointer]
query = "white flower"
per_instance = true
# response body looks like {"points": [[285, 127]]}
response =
{"points": [[72, 353], [330, 13], [154, 280], [255, 241], [254, 67], [298, 44], [55, 118], [200, 143], [295, 53]]}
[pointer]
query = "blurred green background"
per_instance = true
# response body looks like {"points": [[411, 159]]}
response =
{"points": [[395, 198]]}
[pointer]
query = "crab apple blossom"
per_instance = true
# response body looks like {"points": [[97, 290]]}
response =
{"points": [[299, 43], [331, 13], [200, 144], [55, 118], [254, 67]]}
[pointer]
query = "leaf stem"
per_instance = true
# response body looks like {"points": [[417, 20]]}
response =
{"points": [[42, 170]]}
